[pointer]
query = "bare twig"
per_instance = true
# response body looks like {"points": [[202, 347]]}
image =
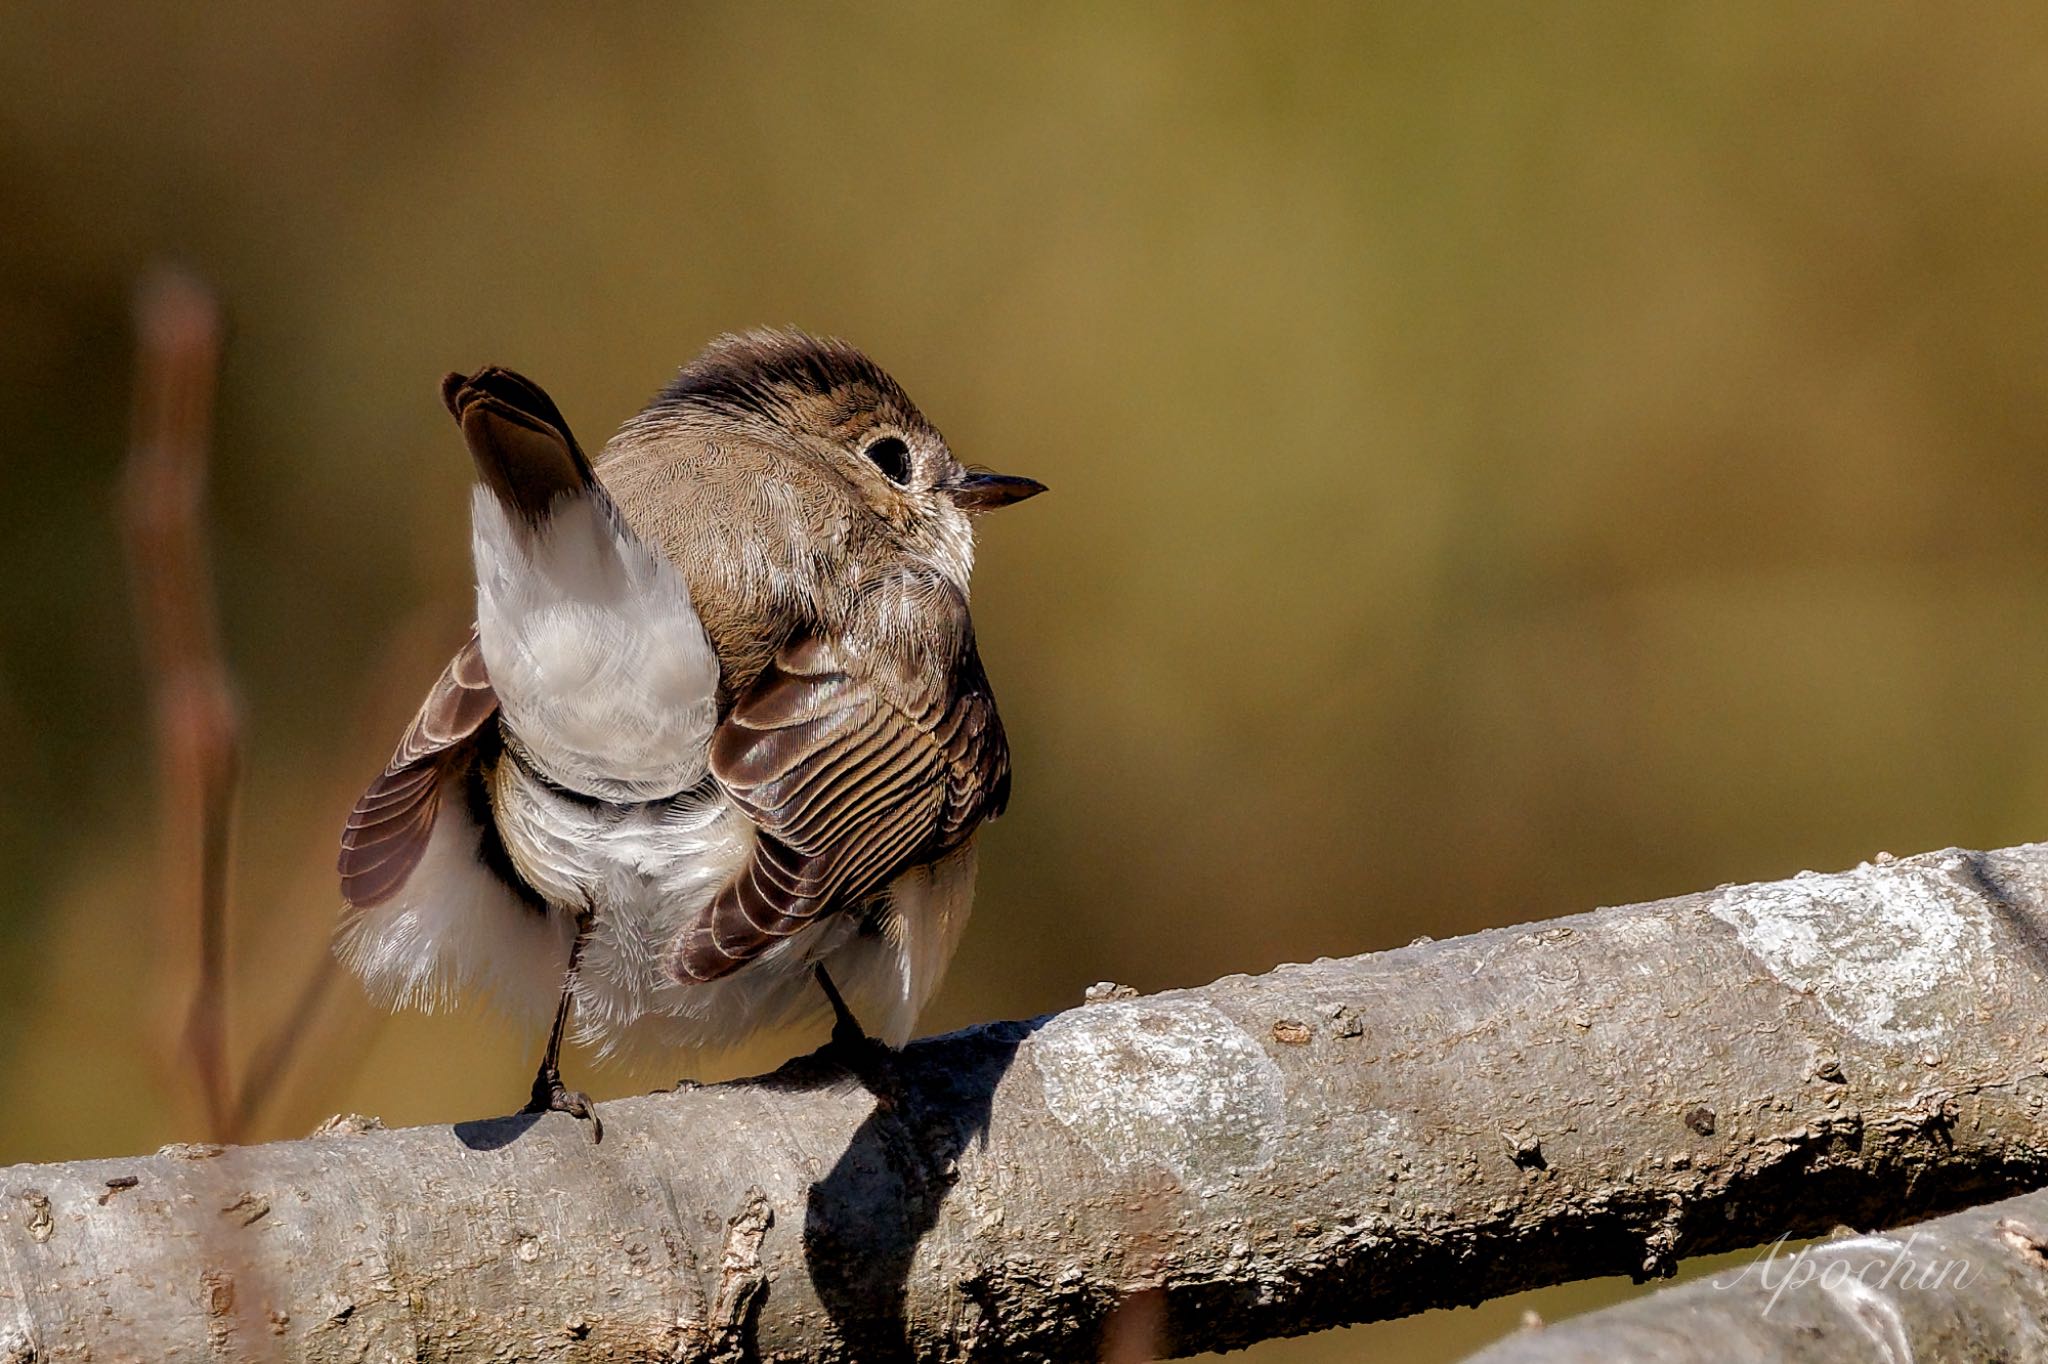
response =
{"points": [[179, 337], [273, 1060], [1324, 1144], [293, 1042], [178, 327]]}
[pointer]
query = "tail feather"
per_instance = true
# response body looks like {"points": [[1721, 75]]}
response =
{"points": [[523, 448], [600, 667]]}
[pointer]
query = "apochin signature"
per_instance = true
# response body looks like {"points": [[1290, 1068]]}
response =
{"points": [[1881, 1264]]}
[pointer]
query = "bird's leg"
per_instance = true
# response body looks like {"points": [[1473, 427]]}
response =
{"points": [[550, 1095], [870, 1060], [846, 1029]]}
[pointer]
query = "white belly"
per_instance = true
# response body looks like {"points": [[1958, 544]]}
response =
{"points": [[646, 872]]}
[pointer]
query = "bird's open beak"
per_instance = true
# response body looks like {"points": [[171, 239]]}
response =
{"points": [[979, 492]]}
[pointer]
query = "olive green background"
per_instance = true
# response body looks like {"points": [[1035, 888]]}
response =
{"points": [[1505, 460]]}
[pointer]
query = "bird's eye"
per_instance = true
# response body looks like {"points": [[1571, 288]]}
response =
{"points": [[892, 457]]}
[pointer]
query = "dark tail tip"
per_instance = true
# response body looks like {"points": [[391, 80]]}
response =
{"points": [[523, 449]]}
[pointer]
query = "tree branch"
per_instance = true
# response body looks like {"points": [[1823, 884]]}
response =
{"points": [[1973, 1285], [1328, 1143]]}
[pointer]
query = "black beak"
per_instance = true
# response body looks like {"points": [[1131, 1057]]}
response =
{"points": [[979, 492]]}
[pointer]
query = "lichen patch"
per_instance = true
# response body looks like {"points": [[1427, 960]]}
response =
{"points": [[1175, 1087], [1885, 949]]}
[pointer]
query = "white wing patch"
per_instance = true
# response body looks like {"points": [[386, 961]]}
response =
{"points": [[603, 672]]}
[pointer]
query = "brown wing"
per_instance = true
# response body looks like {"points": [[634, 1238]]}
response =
{"points": [[387, 831], [850, 776]]}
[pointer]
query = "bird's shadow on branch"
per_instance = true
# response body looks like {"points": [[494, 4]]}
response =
{"points": [[867, 1216], [493, 1134], [2022, 917]]}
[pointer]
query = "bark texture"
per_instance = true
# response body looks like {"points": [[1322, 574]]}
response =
{"points": [[1972, 1286], [1323, 1144]]}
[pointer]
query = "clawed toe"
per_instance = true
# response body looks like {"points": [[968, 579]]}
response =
{"points": [[550, 1095]]}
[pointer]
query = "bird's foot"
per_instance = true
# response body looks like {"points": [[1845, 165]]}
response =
{"points": [[868, 1060], [550, 1095], [871, 1062]]}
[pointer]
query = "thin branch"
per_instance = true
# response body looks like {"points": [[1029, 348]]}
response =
{"points": [[198, 735], [1328, 1143], [178, 347], [273, 1059], [1973, 1285]]}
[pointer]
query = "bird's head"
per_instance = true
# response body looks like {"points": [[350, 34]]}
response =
{"points": [[831, 448]]}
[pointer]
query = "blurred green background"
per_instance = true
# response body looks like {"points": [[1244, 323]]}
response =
{"points": [[1504, 461]]}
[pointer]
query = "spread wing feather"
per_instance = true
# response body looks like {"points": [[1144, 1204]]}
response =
{"points": [[387, 832], [850, 768]]}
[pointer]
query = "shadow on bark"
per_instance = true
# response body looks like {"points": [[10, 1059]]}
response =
{"points": [[866, 1218], [2027, 925], [492, 1134]]}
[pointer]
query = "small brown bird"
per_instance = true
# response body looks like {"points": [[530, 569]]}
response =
{"points": [[720, 731]]}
